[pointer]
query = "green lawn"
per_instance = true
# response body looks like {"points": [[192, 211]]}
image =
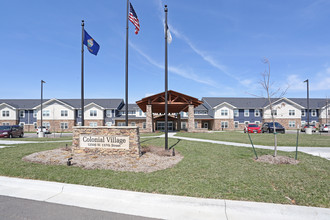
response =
{"points": [[314, 140], [151, 134], [66, 138], [207, 170]]}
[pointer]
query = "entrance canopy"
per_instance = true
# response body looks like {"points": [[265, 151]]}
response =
{"points": [[176, 103]]}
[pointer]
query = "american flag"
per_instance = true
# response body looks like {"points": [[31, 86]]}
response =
{"points": [[133, 18]]}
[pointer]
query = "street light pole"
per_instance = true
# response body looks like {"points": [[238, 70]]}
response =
{"points": [[41, 132], [306, 81]]}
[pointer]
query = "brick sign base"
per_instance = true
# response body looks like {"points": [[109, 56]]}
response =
{"points": [[114, 140]]}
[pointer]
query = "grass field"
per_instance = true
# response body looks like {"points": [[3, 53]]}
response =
{"points": [[207, 170], [314, 140]]}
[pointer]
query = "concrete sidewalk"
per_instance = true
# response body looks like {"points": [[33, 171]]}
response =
{"points": [[323, 152], [153, 205]]}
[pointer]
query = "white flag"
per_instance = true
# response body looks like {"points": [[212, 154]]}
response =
{"points": [[169, 36]]}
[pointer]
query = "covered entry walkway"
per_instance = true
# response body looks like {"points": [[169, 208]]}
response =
{"points": [[154, 107]]}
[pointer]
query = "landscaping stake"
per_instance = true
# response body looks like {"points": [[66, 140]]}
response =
{"points": [[253, 146], [297, 144]]}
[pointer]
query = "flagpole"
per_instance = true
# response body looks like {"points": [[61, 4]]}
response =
{"points": [[166, 112], [126, 67], [82, 74]]}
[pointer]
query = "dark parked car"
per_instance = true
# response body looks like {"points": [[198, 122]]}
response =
{"points": [[11, 131], [269, 127]]}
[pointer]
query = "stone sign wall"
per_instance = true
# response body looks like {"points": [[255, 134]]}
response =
{"points": [[114, 140]]}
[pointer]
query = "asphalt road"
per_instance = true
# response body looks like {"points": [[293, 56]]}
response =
{"points": [[18, 209]]}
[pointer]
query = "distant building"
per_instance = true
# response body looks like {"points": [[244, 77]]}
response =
{"points": [[211, 113]]}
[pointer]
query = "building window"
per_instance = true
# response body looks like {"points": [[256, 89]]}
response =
{"points": [[109, 113], [46, 124], [224, 124], [133, 123], [45, 113], [303, 123], [34, 113], [79, 113], [64, 125], [144, 125], [274, 112], [303, 113], [236, 124], [246, 123], [246, 113], [140, 112], [108, 124], [328, 112], [5, 123], [313, 122], [5, 113], [121, 124], [224, 112], [79, 123], [93, 113], [64, 113], [236, 113], [22, 113], [183, 125], [257, 113], [291, 112], [196, 124], [35, 125], [313, 112], [200, 112], [257, 123], [93, 124], [22, 124], [292, 124]]}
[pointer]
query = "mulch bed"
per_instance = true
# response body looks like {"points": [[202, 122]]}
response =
{"points": [[276, 160], [152, 159]]}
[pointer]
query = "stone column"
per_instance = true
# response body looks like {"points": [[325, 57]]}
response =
{"points": [[191, 118], [149, 120], [178, 127]]}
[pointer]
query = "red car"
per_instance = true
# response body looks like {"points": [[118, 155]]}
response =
{"points": [[252, 128]]}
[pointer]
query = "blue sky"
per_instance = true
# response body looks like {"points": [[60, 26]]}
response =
{"points": [[217, 48]]}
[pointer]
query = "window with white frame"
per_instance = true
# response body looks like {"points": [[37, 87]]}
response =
{"points": [[93, 124], [108, 123], [22, 113], [34, 113], [133, 123], [224, 112], [5, 123], [257, 113], [303, 112], [236, 123], [64, 125], [313, 122], [292, 124], [292, 112], [5, 113], [92, 113], [224, 124], [144, 125], [196, 124], [121, 124], [45, 113], [303, 123], [246, 113], [313, 113], [257, 123], [200, 112], [79, 124], [109, 113], [22, 124], [274, 112], [64, 113], [35, 125], [79, 113], [140, 112], [236, 113], [246, 123], [46, 124]]}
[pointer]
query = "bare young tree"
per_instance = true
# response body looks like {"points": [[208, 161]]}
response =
{"points": [[271, 93]]}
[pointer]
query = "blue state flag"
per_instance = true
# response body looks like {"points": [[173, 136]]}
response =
{"points": [[92, 46]]}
